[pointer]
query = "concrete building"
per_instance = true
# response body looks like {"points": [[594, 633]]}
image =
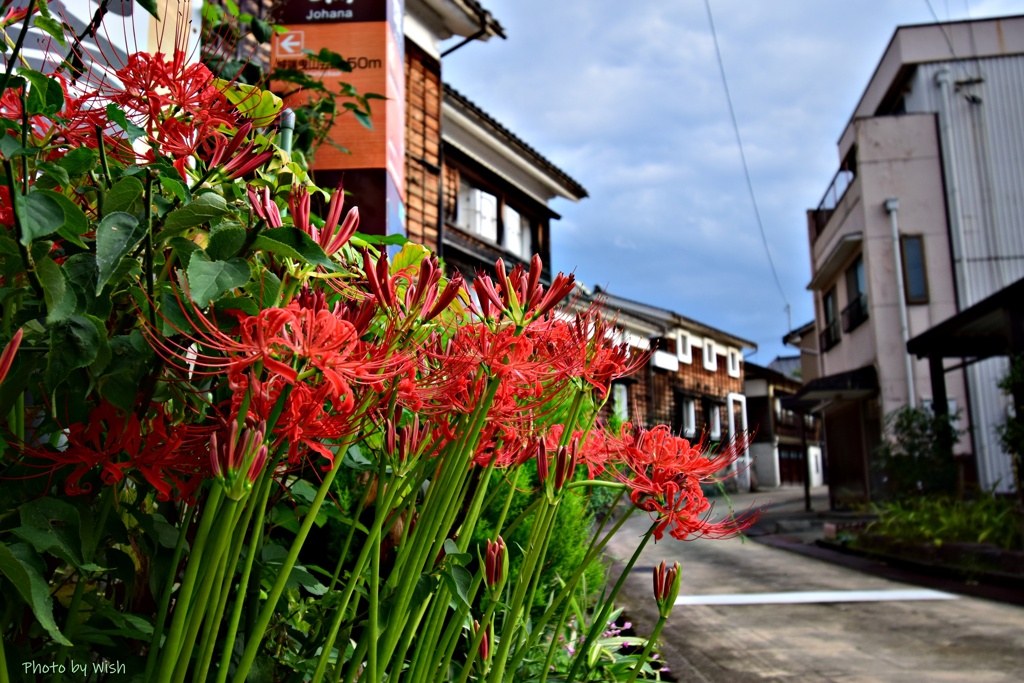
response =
{"points": [[924, 218]]}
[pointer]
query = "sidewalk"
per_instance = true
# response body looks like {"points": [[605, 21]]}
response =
{"points": [[895, 638]]}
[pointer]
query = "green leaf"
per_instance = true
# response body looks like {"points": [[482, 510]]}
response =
{"points": [[458, 580], [252, 102], [45, 96], [117, 115], [294, 244], [226, 240], [360, 240], [52, 526], [55, 172], [125, 195], [79, 160], [116, 235], [332, 59], [75, 223], [60, 299], [40, 215], [262, 31], [175, 187], [149, 6], [264, 287], [52, 27], [236, 303], [208, 280], [32, 588], [202, 210], [74, 343]]}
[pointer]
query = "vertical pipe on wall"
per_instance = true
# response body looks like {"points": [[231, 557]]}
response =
{"points": [[892, 207], [943, 78]]}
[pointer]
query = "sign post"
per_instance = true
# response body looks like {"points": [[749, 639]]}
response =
{"points": [[368, 33]]}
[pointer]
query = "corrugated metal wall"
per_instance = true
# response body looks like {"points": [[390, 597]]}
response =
{"points": [[985, 110]]}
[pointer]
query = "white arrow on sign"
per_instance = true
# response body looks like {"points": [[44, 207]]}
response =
{"points": [[291, 44]]}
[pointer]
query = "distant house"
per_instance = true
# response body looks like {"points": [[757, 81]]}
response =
{"points": [[786, 447], [693, 381], [922, 220]]}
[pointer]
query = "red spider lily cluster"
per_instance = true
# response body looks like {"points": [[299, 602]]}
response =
{"points": [[181, 330]]}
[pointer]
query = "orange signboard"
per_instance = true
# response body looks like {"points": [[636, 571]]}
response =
{"points": [[367, 33]]}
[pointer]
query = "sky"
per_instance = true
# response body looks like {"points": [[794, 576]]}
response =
{"points": [[627, 98]]}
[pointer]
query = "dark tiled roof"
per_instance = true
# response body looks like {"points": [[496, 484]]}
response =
{"points": [[665, 318], [457, 98], [489, 21]]}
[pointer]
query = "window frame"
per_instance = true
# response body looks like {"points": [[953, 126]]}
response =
{"points": [[683, 341], [733, 362], [913, 300], [689, 417], [710, 362]]}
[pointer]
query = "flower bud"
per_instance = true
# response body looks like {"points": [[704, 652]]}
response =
{"points": [[666, 587], [495, 562]]}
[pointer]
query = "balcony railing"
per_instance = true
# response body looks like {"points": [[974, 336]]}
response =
{"points": [[830, 336], [855, 313], [833, 195]]}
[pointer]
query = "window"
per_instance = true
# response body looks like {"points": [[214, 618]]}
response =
{"points": [[517, 233], [734, 363], [684, 352], [856, 311], [830, 334], [478, 212], [915, 283], [715, 428], [710, 357], [689, 418], [620, 401]]}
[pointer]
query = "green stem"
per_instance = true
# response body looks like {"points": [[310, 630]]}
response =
{"points": [[165, 597], [150, 275], [102, 148], [375, 530], [13, 57], [263, 621], [236, 610], [647, 649], [3, 657], [602, 620], [171, 647], [213, 565]]}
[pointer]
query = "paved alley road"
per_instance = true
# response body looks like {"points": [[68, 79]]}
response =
{"points": [[959, 640]]}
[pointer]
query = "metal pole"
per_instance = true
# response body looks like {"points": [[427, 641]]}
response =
{"points": [[892, 206]]}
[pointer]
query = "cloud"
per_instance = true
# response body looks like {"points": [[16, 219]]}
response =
{"points": [[627, 98]]}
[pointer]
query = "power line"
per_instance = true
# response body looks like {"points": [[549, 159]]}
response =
{"points": [[743, 156]]}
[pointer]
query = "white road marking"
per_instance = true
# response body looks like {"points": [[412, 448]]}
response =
{"points": [[799, 597]]}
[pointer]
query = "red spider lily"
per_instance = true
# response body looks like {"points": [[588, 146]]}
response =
{"points": [[238, 461], [16, 14], [330, 237], [664, 473], [519, 295], [263, 205], [117, 443], [238, 160], [7, 356], [310, 422], [602, 359], [411, 441], [6, 207], [175, 102]]}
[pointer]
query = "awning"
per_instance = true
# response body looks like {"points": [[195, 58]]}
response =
{"points": [[843, 386], [991, 327]]}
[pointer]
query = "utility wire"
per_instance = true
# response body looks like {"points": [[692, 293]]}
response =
{"points": [[743, 156]]}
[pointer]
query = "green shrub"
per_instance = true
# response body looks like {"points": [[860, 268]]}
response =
{"points": [[916, 457], [943, 519]]}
